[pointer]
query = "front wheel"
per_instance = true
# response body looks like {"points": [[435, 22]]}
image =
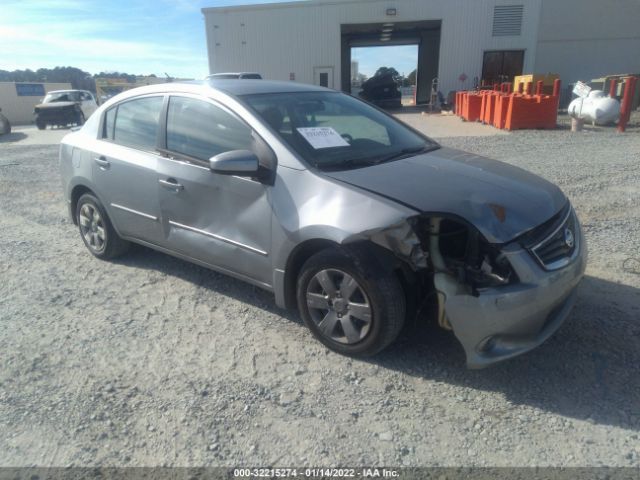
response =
{"points": [[349, 303], [41, 124], [96, 229], [5, 126], [80, 119]]}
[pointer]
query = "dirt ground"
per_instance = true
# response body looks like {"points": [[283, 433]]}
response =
{"points": [[150, 360]]}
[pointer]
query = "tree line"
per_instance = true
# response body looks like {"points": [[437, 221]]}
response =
{"points": [[79, 79], [402, 81]]}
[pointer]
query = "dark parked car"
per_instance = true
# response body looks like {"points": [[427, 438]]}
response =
{"points": [[334, 206], [382, 90], [237, 75]]}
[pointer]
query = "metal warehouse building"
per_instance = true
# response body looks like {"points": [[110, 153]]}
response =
{"points": [[310, 41]]}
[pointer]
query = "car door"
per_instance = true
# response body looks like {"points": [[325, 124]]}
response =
{"points": [[124, 167], [221, 220], [88, 104]]}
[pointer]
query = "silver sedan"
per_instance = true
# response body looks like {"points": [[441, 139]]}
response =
{"points": [[340, 210]]}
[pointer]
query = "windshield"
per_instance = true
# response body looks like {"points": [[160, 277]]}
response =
{"points": [[334, 131], [61, 97]]}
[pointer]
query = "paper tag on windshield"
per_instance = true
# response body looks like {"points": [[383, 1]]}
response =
{"points": [[322, 137]]}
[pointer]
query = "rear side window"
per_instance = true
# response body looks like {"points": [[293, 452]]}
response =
{"points": [[202, 130], [137, 122], [109, 122]]}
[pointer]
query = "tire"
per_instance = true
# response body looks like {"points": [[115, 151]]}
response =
{"points": [[97, 232], [80, 119], [41, 125], [5, 126], [351, 333]]}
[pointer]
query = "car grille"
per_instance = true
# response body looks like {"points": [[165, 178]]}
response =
{"points": [[557, 250], [53, 114]]}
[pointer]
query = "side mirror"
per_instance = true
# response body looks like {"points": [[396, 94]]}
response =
{"points": [[236, 162]]}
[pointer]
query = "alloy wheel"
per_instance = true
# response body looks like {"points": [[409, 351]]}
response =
{"points": [[92, 227], [339, 306]]}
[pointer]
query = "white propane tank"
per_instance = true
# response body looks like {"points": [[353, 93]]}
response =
{"points": [[597, 108]]}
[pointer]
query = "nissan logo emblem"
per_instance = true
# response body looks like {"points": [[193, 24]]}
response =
{"points": [[568, 238]]}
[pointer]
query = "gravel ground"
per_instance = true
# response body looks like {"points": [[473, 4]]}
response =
{"points": [[153, 361]]}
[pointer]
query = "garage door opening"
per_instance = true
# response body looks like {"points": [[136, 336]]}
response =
{"points": [[423, 37], [373, 68]]}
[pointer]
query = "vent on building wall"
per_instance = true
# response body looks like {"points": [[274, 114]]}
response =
{"points": [[507, 20]]}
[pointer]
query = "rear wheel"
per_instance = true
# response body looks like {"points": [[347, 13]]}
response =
{"points": [[96, 229], [349, 303]]}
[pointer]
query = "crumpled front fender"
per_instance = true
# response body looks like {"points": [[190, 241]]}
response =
{"points": [[400, 238]]}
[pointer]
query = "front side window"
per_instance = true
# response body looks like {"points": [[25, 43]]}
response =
{"points": [[137, 122], [201, 130], [331, 130]]}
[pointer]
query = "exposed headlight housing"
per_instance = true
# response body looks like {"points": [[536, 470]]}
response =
{"points": [[465, 254]]}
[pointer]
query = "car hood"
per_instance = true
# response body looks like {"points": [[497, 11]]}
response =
{"points": [[42, 106], [502, 201]]}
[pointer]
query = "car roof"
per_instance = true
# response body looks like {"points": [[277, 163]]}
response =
{"points": [[233, 87], [66, 91], [254, 86]]}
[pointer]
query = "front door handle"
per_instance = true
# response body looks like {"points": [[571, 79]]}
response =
{"points": [[102, 162], [171, 184]]}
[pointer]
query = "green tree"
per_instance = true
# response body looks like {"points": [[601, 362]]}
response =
{"points": [[411, 78], [387, 70], [79, 79]]}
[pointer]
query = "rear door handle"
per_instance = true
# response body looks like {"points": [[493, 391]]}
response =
{"points": [[102, 162], [171, 184]]}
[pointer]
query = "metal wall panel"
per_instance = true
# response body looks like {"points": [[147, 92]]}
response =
{"points": [[586, 39], [19, 108], [279, 39]]}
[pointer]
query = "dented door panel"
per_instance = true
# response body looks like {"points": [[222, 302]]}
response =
{"points": [[221, 220]]}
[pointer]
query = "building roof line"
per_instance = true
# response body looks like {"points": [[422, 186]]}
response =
{"points": [[270, 6]]}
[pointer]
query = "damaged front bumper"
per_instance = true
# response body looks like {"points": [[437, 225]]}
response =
{"points": [[504, 321]]}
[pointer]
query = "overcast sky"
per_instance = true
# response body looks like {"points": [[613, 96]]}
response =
{"points": [[133, 36]]}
